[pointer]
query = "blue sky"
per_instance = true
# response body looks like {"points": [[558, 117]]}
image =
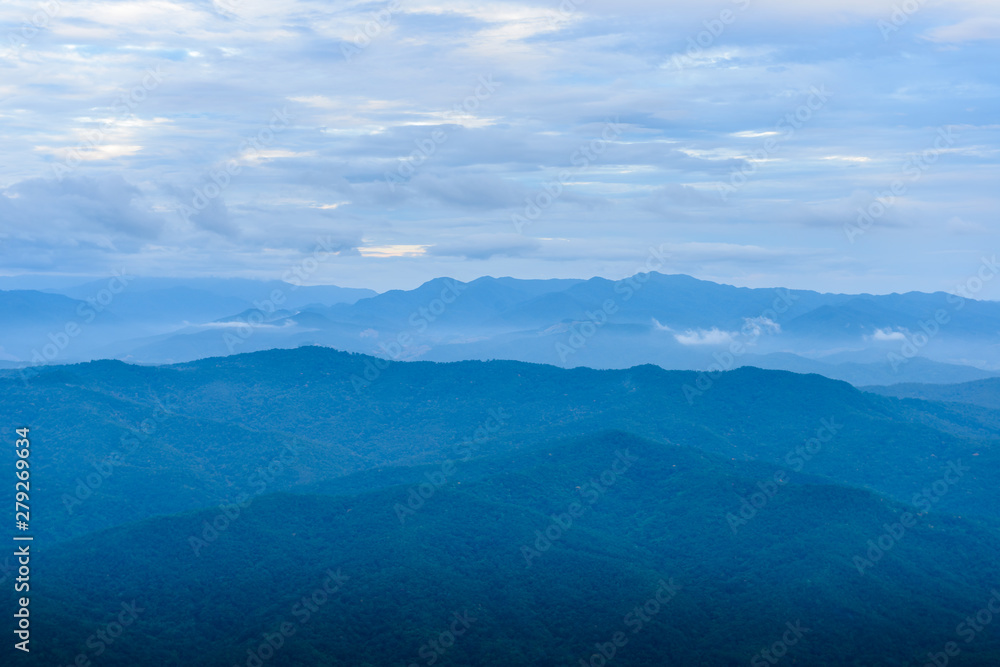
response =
{"points": [[536, 139]]}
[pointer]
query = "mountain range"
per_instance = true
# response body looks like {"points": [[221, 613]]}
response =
{"points": [[674, 321], [370, 508]]}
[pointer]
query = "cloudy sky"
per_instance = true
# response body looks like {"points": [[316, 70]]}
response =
{"points": [[839, 145]]}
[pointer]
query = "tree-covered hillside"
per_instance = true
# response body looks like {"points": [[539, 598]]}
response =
{"points": [[363, 511], [119, 443], [548, 557]]}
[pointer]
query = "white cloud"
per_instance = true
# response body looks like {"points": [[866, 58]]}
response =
{"points": [[392, 251], [687, 123], [711, 336], [750, 134], [757, 326], [847, 158], [957, 225], [973, 29], [661, 327], [752, 327], [236, 324], [883, 335]]}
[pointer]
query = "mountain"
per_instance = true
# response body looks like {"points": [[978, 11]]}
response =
{"points": [[862, 373], [167, 439], [109, 317], [480, 303], [171, 305], [673, 321], [242, 289], [312, 506], [31, 309], [985, 393], [44, 328], [546, 559]]}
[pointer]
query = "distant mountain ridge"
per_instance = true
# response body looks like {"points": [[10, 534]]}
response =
{"points": [[674, 321], [985, 393]]}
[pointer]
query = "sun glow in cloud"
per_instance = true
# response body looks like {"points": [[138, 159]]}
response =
{"points": [[393, 251]]}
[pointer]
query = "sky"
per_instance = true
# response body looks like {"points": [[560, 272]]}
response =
{"points": [[842, 146]]}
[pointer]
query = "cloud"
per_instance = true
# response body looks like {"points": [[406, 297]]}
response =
{"points": [[105, 204], [687, 123], [80, 224], [753, 327], [958, 226], [888, 334], [661, 327], [485, 246], [757, 326], [236, 324], [480, 191], [214, 217], [713, 252], [392, 251], [974, 29], [672, 196], [711, 336], [754, 134]]}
